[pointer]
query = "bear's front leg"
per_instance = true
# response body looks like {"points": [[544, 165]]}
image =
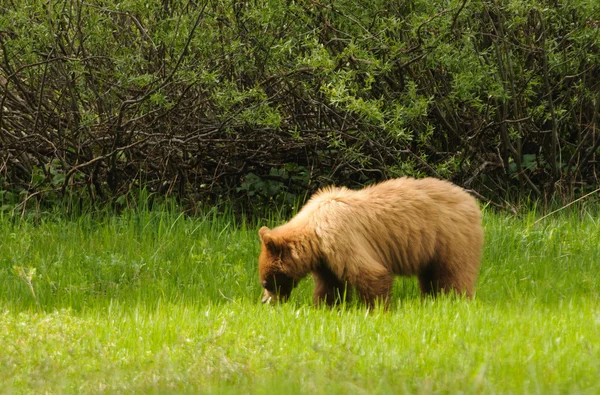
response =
{"points": [[329, 289], [375, 289]]}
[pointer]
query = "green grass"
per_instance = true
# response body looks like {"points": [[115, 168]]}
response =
{"points": [[152, 302]]}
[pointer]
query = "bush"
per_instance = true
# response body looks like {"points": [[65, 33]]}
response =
{"points": [[267, 100]]}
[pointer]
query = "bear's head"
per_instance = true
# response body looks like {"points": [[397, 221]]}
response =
{"points": [[274, 267]]}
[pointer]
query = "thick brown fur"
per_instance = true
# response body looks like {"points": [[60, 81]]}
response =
{"points": [[359, 240]]}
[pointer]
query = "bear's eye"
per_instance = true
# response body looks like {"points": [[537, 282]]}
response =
{"points": [[266, 286]]}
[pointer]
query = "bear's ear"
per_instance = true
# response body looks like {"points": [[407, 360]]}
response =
{"points": [[262, 231], [273, 243]]}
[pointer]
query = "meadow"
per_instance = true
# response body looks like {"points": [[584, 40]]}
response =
{"points": [[153, 301]]}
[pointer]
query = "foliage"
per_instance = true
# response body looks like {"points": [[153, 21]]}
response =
{"points": [[201, 100]]}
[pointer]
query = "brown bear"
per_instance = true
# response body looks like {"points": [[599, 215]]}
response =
{"points": [[360, 239]]}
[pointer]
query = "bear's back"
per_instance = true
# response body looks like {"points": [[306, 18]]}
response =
{"points": [[399, 223]]}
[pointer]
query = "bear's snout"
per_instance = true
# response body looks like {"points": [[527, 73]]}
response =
{"points": [[267, 297]]}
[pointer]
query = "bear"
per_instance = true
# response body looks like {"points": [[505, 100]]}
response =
{"points": [[358, 240]]}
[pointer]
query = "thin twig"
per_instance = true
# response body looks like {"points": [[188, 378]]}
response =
{"points": [[229, 299], [565, 206]]}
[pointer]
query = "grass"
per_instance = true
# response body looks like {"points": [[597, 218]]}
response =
{"points": [[155, 302]]}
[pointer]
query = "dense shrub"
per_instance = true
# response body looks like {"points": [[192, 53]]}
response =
{"points": [[253, 100]]}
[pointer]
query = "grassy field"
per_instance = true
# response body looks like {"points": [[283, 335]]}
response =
{"points": [[152, 302]]}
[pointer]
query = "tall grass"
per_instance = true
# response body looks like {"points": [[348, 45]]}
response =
{"points": [[155, 301]]}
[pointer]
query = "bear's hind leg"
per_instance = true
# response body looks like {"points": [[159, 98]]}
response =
{"points": [[329, 289], [436, 279]]}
